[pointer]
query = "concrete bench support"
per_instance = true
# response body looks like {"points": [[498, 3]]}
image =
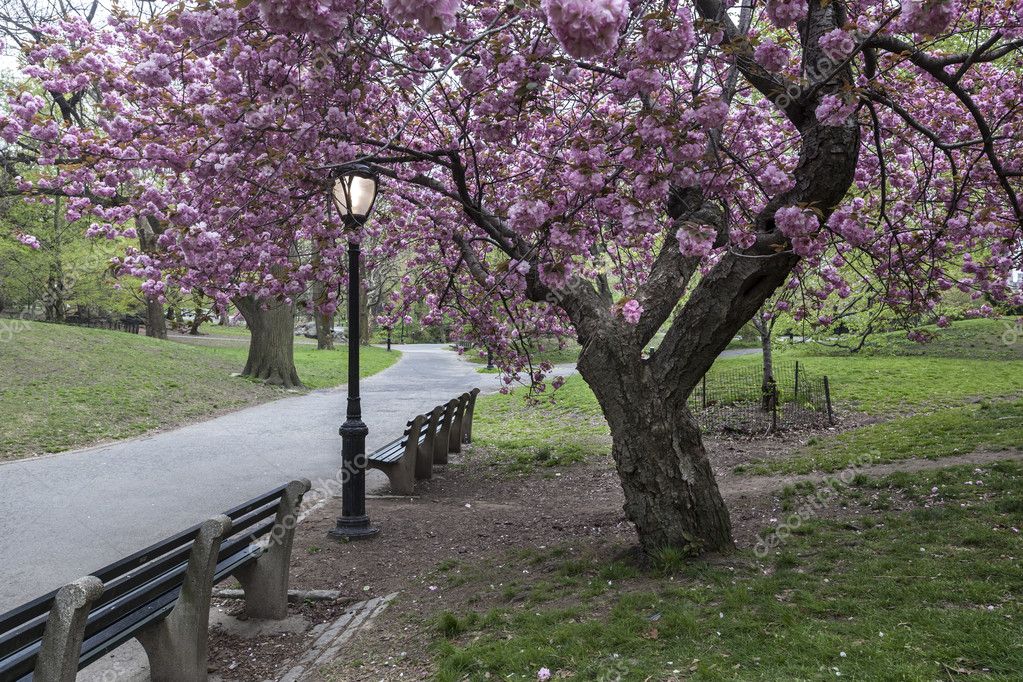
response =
{"points": [[442, 442], [178, 645], [401, 472], [65, 629], [470, 409], [265, 581], [424, 460]]}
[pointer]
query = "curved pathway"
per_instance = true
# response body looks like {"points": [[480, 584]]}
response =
{"points": [[64, 515]]}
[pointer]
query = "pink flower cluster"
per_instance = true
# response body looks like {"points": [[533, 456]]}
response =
{"points": [[771, 56], [775, 180], [631, 311], [802, 228], [28, 240], [838, 44], [435, 16], [586, 28], [928, 17], [320, 18], [835, 110], [784, 13], [695, 240]]}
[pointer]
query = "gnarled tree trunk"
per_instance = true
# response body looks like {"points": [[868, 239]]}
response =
{"points": [[272, 341], [670, 492]]}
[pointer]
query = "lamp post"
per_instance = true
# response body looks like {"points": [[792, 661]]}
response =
{"points": [[354, 193]]}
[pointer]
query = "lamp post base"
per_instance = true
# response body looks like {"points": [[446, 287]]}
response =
{"points": [[352, 528]]}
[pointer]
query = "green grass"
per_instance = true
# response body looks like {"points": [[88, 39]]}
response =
{"points": [[547, 351], [878, 384], [997, 339], [986, 426], [68, 387], [319, 368], [554, 431], [237, 331], [925, 595]]}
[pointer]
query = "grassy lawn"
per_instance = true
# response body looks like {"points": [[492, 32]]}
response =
{"points": [[318, 368], [68, 387], [927, 594], [931, 387], [985, 426], [555, 431], [547, 351]]}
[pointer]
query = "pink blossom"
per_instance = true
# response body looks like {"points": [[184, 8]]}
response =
{"points": [[771, 56], [713, 114], [784, 13], [835, 110], [928, 17], [838, 44], [28, 240], [543, 674], [435, 16], [586, 28], [775, 180], [695, 240], [632, 311]]}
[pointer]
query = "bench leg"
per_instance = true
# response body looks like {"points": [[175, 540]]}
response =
{"points": [[455, 439], [65, 629], [399, 476], [178, 646], [265, 581], [424, 456], [470, 409], [441, 442]]}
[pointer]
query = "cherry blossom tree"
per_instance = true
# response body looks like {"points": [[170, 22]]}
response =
{"points": [[605, 169]]}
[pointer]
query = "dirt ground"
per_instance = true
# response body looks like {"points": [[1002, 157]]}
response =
{"points": [[473, 517]]}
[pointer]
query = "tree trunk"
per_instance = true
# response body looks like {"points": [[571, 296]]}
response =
{"points": [[156, 321], [670, 492], [272, 341], [764, 329], [364, 316], [324, 330]]}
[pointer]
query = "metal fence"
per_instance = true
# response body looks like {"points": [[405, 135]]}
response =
{"points": [[737, 400]]}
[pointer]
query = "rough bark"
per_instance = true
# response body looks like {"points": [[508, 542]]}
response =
{"points": [[324, 331], [670, 492], [272, 341], [365, 332], [156, 321], [764, 329]]}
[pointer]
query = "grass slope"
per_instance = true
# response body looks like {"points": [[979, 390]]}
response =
{"points": [[923, 595], [68, 387]]}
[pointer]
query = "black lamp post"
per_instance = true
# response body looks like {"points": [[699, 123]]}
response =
{"points": [[354, 194]]}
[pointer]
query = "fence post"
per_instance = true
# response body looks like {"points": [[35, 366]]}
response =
{"points": [[796, 389], [774, 405], [705, 391], [827, 399]]}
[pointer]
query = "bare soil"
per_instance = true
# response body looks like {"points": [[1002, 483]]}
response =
{"points": [[474, 520]]}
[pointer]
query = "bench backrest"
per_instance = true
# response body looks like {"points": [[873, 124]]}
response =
{"points": [[138, 589]]}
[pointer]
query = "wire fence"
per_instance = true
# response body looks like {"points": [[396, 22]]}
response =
{"points": [[739, 400]]}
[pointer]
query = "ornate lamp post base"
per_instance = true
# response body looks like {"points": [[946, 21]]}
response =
{"points": [[352, 528]]}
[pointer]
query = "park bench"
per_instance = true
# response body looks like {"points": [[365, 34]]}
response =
{"points": [[427, 440], [160, 596]]}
